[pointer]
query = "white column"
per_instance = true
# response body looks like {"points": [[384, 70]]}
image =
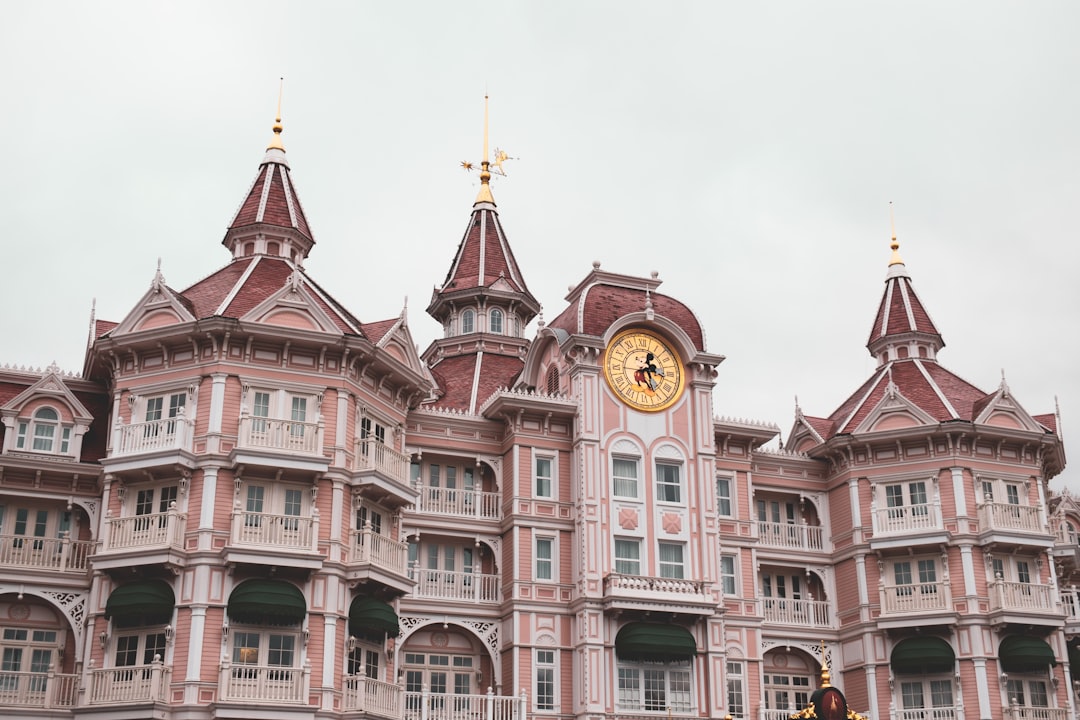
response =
{"points": [[206, 512], [217, 411], [982, 686], [340, 437], [967, 563]]}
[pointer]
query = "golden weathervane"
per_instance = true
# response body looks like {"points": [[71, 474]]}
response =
{"points": [[487, 167]]}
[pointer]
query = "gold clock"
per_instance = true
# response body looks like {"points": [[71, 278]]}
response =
{"points": [[644, 370]]}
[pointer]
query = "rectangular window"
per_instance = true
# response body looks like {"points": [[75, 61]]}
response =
{"points": [[723, 496], [668, 487], [545, 679], [544, 480], [735, 699], [628, 557], [670, 560], [727, 574], [544, 558], [624, 471]]}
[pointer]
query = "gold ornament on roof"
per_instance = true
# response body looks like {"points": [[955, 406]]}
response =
{"points": [[275, 142], [487, 167], [895, 245]]}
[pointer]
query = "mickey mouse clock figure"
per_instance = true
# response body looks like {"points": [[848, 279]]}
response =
{"points": [[644, 370]]}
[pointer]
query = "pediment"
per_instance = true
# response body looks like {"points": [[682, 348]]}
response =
{"points": [[159, 307], [398, 343], [1003, 411], [501, 284], [894, 411], [50, 386], [293, 307]]}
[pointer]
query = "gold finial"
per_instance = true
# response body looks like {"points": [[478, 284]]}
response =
{"points": [[486, 168], [275, 142], [825, 677], [895, 245]]}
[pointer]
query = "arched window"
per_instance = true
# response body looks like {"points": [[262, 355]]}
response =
{"points": [[553, 380], [44, 434], [468, 320], [496, 322]]}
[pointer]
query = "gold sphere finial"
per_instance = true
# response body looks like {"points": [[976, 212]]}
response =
{"points": [[895, 244], [825, 676], [275, 142]]}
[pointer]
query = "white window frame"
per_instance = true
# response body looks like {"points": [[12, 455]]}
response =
{"points": [[664, 567], [550, 562], [468, 321], [929, 688], [537, 478], [736, 689], [665, 488], [495, 318], [729, 578], [546, 661], [670, 672], [264, 650], [725, 501], [629, 542], [616, 478]]}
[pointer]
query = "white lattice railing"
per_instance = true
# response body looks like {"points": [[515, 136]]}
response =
{"points": [[447, 585], [459, 503], [1007, 516], [803, 613], [270, 530], [907, 519], [381, 551], [915, 598], [37, 689], [371, 696], [1023, 712], [767, 714], [134, 683], [266, 684], [40, 553], [374, 455], [169, 434], [438, 706], [1070, 602], [1029, 597], [143, 531], [293, 436], [791, 536], [937, 713], [647, 585]]}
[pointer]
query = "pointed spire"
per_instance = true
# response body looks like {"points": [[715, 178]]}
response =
{"points": [[485, 166], [895, 245], [275, 142]]}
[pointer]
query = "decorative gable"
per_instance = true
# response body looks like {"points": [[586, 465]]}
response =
{"points": [[46, 418], [894, 411], [159, 307], [1002, 410], [398, 342], [50, 386], [293, 306]]}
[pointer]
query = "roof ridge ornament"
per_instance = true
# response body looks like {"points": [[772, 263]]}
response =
{"points": [[275, 141], [486, 168], [895, 245]]}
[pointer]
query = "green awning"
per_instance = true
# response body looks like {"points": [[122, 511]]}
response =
{"points": [[1018, 653], [923, 655], [267, 602], [654, 641], [141, 603], [367, 614]]}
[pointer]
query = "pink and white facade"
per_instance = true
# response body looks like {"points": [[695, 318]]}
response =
{"points": [[252, 504]]}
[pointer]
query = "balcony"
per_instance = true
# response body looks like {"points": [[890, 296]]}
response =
{"points": [[1023, 602], [371, 696], [264, 684], [460, 586], [383, 466], [451, 502], [1066, 545], [438, 706], [130, 684], [154, 444], [930, 602], [906, 525], [764, 714], [1010, 519], [381, 559], [41, 690], [1024, 712], [790, 536], [639, 592], [280, 444], [1070, 603], [937, 713], [272, 539], [62, 554], [157, 538], [797, 613]]}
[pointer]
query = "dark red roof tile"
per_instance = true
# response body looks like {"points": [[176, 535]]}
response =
{"points": [[1048, 421], [601, 305], [103, 326], [207, 294]]}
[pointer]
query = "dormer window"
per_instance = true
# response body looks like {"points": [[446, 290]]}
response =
{"points": [[43, 433], [468, 321], [496, 322]]}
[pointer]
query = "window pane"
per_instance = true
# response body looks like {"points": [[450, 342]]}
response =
{"points": [[667, 483], [625, 473], [671, 560], [723, 495], [628, 557]]}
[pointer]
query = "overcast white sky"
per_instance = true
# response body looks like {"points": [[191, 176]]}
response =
{"points": [[746, 151]]}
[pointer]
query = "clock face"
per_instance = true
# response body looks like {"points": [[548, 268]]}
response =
{"points": [[644, 370]]}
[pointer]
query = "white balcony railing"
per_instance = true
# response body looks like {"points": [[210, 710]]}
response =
{"points": [[268, 530], [131, 684], [265, 684], [915, 598], [37, 689], [1021, 596], [459, 503], [60, 554], [144, 531], [292, 436], [438, 706], [648, 585], [768, 714], [937, 713], [144, 437], [385, 553], [790, 536], [907, 519], [374, 455], [447, 585], [1024, 712], [1070, 602], [802, 613], [1007, 516], [372, 696]]}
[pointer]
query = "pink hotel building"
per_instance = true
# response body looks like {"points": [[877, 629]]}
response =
{"points": [[252, 504]]}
